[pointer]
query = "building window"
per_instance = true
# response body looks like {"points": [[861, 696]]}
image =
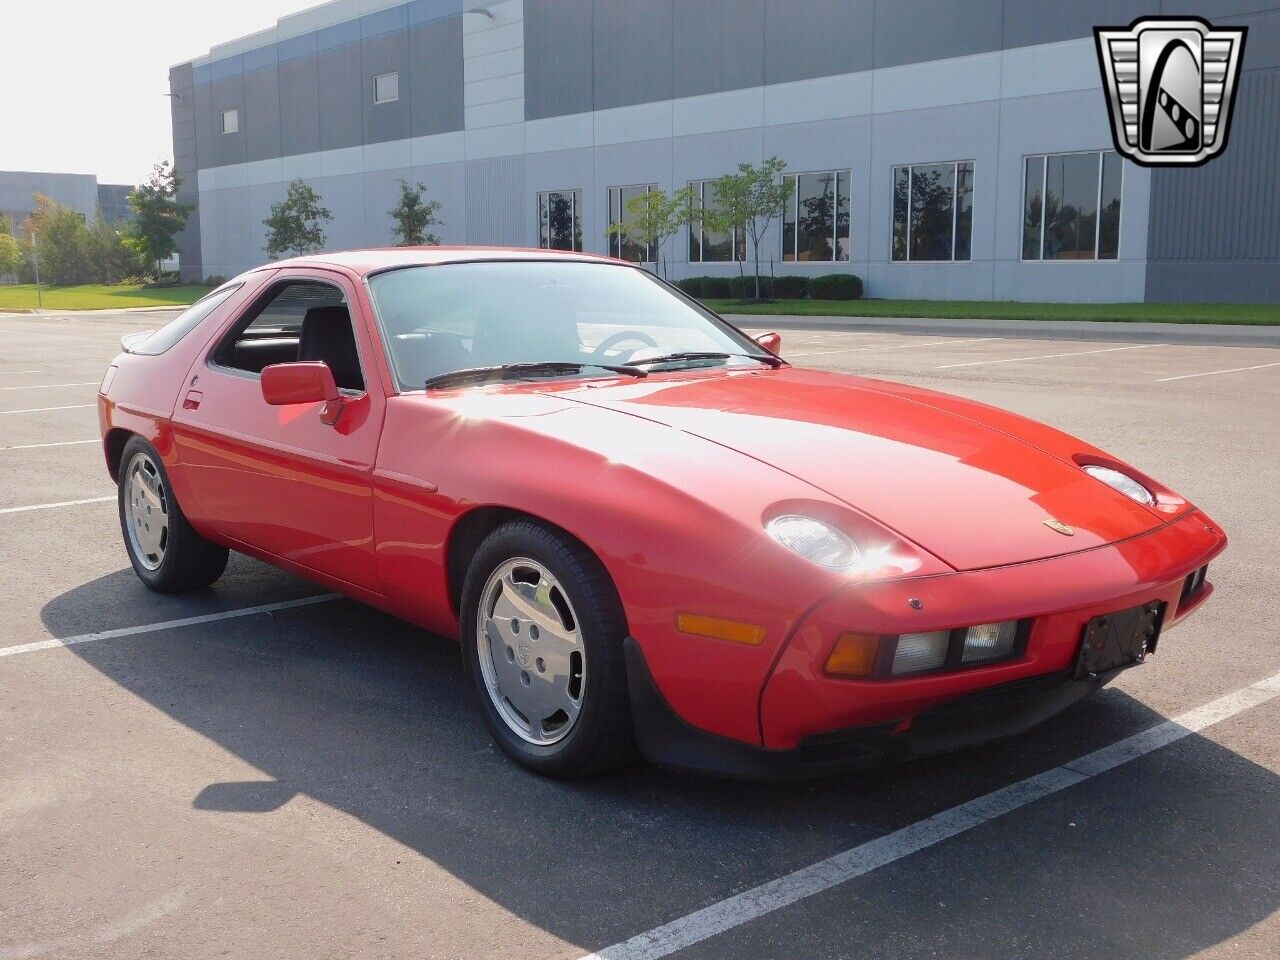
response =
{"points": [[1062, 196], [560, 220], [626, 247], [815, 222], [933, 211], [230, 121], [706, 246], [386, 88]]}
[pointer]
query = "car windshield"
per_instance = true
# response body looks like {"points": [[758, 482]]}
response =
{"points": [[437, 320]]}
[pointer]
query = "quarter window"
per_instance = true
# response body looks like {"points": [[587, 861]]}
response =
{"points": [[706, 246], [230, 121], [625, 247], [815, 222], [933, 211], [386, 88], [560, 220], [1071, 206]]}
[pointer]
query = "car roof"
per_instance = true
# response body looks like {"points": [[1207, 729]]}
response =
{"points": [[368, 261]]}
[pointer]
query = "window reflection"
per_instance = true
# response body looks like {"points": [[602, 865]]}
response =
{"points": [[626, 247], [1071, 206], [815, 224], [560, 220], [706, 246], [933, 211]]}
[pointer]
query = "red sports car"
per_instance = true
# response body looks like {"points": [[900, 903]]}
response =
{"points": [[647, 529]]}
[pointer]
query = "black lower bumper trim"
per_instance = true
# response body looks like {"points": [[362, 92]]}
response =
{"points": [[1000, 711]]}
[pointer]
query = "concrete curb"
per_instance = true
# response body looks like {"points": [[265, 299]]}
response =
{"points": [[1207, 334]]}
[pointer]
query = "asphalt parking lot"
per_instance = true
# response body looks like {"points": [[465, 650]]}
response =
{"points": [[310, 781]]}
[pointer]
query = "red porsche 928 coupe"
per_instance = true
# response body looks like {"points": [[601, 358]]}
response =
{"points": [[648, 530]]}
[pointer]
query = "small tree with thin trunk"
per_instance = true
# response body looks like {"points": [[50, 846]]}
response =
{"points": [[655, 216], [296, 224], [414, 216], [748, 201], [12, 254], [158, 217]]}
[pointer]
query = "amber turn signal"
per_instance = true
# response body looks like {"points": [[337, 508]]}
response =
{"points": [[854, 655], [718, 629]]}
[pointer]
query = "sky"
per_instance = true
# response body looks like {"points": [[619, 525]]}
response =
{"points": [[84, 81]]}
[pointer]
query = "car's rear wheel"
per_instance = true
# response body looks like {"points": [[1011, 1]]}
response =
{"points": [[167, 554], [542, 632]]}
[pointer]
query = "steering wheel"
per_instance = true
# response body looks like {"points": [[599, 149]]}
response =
{"points": [[610, 342]]}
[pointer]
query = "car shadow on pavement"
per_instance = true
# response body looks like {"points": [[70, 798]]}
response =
{"points": [[372, 717]]}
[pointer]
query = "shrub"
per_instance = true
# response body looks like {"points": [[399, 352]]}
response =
{"points": [[836, 286], [744, 288], [717, 288], [790, 287], [691, 285]]}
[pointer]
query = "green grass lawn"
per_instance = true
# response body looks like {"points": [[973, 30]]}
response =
{"points": [[96, 296], [1248, 313]]}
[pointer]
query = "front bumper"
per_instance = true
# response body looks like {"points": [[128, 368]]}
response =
{"points": [[812, 723]]}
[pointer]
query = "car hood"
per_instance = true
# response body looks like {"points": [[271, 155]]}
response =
{"points": [[947, 479]]}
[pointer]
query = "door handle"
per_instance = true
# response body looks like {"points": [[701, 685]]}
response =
{"points": [[192, 400]]}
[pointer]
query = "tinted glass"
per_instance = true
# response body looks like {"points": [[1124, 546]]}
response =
{"points": [[716, 247], [789, 219], [932, 215], [455, 316], [1109, 222], [1071, 206], [901, 202], [184, 323], [631, 250], [842, 215], [964, 210], [1032, 207], [560, 223], [815, 239]]}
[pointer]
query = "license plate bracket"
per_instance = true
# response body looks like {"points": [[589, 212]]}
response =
{"points": [[1113, 641]]}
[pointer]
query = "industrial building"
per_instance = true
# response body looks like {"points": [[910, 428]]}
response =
{"points": [[946, 149], [80, 192]]}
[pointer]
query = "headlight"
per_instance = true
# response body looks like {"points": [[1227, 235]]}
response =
{"points": [[814, 540], [1130, 487]]}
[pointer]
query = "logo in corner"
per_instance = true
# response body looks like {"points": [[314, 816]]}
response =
{"points": [[1057, 526], [1170, 85]]}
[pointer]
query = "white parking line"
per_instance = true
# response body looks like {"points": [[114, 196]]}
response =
{"points": [[60, 443], [897, 346], [73, 406], [1044, 356], [50, 386], [862, 859], [164, 625], [1214, 373], [50, 506]]}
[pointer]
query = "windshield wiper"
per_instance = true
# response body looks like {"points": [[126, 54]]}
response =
{"points": [[508, 371], [707, 355]]}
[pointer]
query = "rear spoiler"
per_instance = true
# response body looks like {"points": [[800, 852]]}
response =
{"points": [[131, 340]]}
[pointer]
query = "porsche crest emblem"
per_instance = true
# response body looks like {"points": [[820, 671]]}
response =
{"points": [[1057, 526]]}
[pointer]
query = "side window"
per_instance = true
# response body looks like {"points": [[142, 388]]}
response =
{"points": [[184, 323], [296, 320]]}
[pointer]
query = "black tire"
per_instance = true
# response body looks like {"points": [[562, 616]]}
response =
{"points": [[188, 561], [602, 738]]}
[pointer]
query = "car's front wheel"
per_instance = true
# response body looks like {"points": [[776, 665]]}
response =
{"points": [[542, 631], [167, 554]]}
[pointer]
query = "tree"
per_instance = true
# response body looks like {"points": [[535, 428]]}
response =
{"points": [[748, 201], [62, 241], [12, 255], [112, 255], [157, 217], [413, 216], [654, 217], [296, 224]]}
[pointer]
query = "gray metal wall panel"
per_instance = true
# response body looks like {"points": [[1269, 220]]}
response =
{"points": [[182, 110], [388, 53], [261, 118], [1028, 22], [435, 77], [913, 31], [496, 202], [226, 94], [340, 88], [816, 38], [717, 45], [632, 44], [299, 106], [558, 58]]}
